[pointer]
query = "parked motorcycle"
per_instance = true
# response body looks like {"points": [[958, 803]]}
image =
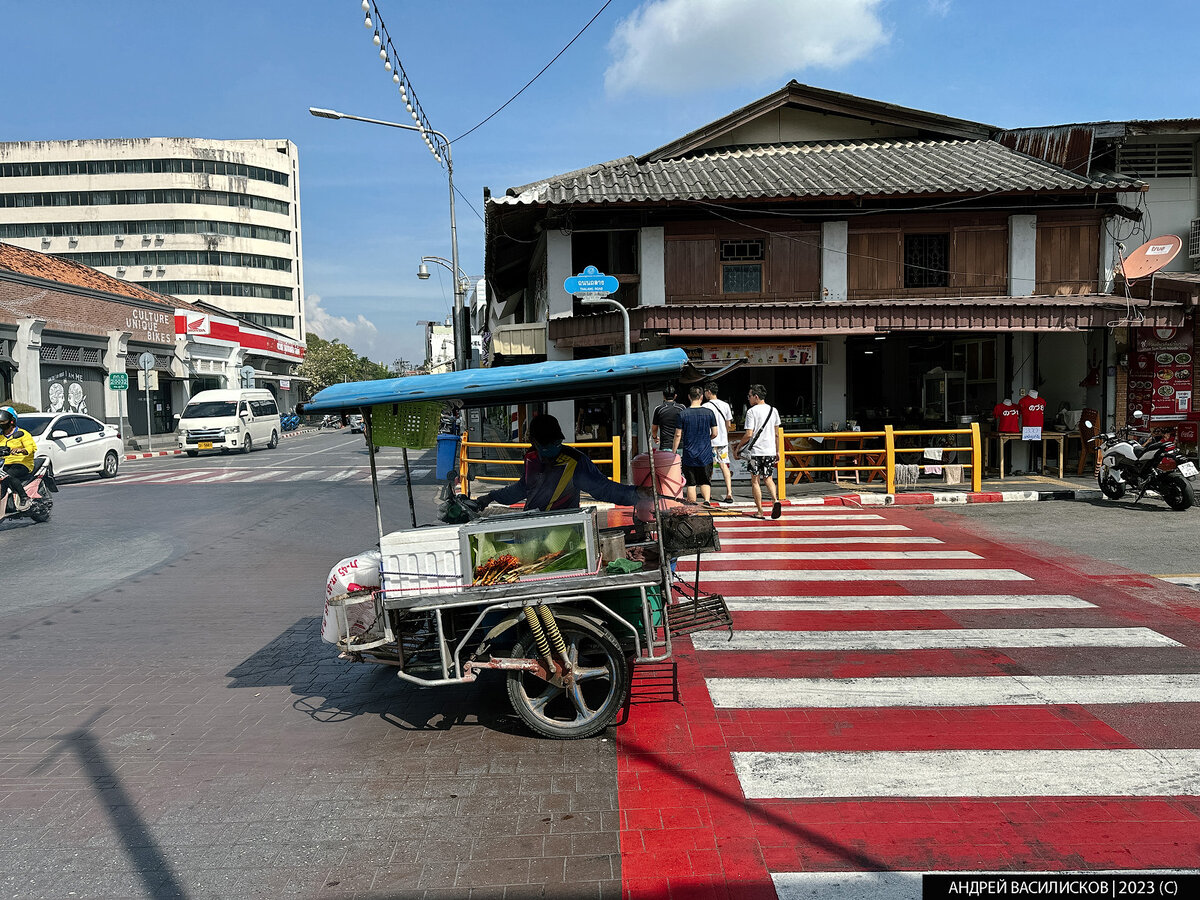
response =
{"points": [[330, 422], [38, 489], [289, 422], [1127, 465]]}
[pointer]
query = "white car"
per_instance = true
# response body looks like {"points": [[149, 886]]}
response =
{"points": [[74, 443]]}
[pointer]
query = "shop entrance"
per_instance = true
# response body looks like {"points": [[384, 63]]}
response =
{"points": [[162, 416], [795, 391]]}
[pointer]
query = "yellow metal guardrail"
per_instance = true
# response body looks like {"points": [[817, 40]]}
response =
{"points": [[465, 461], [878, 459]]}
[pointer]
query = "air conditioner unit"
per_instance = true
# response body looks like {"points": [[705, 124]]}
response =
{"points": [[1194, 240], [73, 240], [118, 238], [158, 238], [120, 270], [146, 270], [45, 243], [145, 239], [162, 270]]}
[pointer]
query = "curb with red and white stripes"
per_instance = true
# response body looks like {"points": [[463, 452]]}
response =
{"points": [[944, 498], [286, 434]]}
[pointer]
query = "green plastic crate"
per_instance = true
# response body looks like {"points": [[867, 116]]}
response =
{"points": [[411, 425]]}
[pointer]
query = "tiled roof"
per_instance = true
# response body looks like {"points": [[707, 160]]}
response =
{"points": [[825, 169], [65, 271]]}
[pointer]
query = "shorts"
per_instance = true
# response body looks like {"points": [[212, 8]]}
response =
{"points": [[721, 454], [763, 466], [698, 475]]}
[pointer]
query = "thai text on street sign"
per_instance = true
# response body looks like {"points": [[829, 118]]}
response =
{"points": [[118, 381], [591, 282]]}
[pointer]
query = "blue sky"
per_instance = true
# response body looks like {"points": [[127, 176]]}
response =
{"points": [[373, 200]]}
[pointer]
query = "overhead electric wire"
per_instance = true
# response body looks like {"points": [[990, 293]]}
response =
{"points": [[537, 76]]}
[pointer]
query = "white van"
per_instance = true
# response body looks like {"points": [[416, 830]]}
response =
{"points": [[229, 420]]}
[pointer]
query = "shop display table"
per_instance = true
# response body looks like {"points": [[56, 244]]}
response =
{"points": [[1002, 440]]}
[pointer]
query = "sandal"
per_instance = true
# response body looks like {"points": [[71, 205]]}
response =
{"points": [[776, 510]]}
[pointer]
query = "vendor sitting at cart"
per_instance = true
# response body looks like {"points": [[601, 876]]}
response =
{"points": [[554, 474]]}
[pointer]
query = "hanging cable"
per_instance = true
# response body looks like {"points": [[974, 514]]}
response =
{"points": [[537, 76]]}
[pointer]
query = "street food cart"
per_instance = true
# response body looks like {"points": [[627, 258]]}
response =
{"points": [[563, 604]]}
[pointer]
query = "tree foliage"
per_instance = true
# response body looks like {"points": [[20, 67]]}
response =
{"points": [[331, 362]]}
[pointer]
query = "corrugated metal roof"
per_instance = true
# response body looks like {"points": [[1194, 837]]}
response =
{"points": [[823, 169]]}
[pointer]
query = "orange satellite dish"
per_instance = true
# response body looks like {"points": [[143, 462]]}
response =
{"points": [[1150, 257]]}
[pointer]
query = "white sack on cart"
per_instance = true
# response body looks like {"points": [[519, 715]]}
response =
{"points": [[352, 575]]}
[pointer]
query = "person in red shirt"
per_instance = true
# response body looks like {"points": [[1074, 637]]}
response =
{"points": [[1008, 417]]}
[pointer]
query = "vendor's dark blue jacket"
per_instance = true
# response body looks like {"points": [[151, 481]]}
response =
{"points": [[556, 484]]}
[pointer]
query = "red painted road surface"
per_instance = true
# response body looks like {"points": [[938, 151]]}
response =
{"points": [[688, 829]]}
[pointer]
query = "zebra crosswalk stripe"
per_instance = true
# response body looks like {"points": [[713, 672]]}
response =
{"points": [[951, 690], [931, 639], [819, 555], [768, 544], [785, 575], [968, 773], [881, 602]]}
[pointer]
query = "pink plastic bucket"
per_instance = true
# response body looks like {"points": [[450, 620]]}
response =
{"points": [[668, 467]]}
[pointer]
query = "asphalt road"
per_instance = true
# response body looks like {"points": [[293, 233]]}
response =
{"points": [[174, 726], [1146, 537]]}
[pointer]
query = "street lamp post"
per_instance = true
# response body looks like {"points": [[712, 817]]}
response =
{"points": [[608, 301], [462, 283], [461, 330]]}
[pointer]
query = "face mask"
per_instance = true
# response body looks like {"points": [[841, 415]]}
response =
{"points": [[549, 451]]}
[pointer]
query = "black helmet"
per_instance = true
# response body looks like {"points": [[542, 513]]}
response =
{"points": [[8, 416]]}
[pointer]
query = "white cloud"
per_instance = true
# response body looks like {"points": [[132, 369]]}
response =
{"points": [[359, 334], [671, 46]]}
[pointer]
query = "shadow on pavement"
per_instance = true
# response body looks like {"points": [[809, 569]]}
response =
{"points": [[152, 867], [332, 690]]}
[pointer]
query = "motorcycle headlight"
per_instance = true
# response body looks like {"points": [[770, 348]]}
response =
{"points": [[232, 429]]}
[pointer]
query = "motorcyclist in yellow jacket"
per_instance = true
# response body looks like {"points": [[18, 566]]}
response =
{"points": [[17, 449]]}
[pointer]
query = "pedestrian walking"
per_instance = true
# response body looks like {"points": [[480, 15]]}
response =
{"points": [[757, 447], [720, 443], [694, 434], [664, 420]]}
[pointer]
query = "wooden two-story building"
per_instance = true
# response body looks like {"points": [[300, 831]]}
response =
{"points": [[872, 263]]}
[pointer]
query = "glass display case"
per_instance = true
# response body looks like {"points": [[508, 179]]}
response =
{"points": [[542, 543], [943, 395]]}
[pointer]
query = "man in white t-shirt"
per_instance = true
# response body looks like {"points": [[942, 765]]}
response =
{"points": [[720, 443], [761, 423]]}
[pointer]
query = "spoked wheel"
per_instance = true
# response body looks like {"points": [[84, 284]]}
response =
{"points": [[1109, 486], [592, 703], [274, 442], [1178, 493], [110, 465]]}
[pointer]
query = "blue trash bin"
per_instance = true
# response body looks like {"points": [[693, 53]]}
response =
{"points": [[447, 455]]}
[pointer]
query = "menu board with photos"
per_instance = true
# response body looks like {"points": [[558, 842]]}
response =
{"points": [[1160, 373], [803, 353]]}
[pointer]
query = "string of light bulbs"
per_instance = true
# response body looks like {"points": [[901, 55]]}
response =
{"points": [[391, 63]]}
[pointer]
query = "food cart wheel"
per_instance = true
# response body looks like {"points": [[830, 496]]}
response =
{"points": [[602, 680]]}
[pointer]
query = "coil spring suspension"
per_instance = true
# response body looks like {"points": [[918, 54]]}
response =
{"points": [[539, 636], [556, 638]]}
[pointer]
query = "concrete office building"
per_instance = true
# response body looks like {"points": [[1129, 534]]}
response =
{"points": [[201, 220]]}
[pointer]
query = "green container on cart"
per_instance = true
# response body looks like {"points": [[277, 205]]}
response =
{"points": [[628, 605]]}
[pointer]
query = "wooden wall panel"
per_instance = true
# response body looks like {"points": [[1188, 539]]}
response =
{"points": [[793, 266], [1068, 257], [874, 263], [692, 270], [979, 260]]}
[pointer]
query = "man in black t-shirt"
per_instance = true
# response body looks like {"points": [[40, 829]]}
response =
{"points": [[664, 421]]}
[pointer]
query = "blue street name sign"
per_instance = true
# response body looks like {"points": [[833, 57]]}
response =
{"points": [[591, 281]]}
